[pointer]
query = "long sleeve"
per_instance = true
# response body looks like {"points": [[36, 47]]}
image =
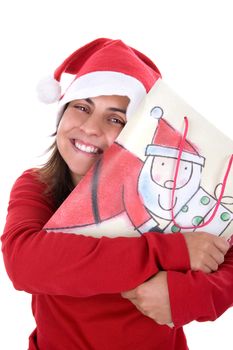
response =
{"points": [[201, 297], [39, 262]]}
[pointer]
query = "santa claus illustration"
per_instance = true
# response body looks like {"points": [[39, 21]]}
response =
{"points": [[156, 180], [192, 206]]}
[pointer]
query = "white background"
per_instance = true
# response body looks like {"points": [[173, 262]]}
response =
{"points": [[190, 41]]}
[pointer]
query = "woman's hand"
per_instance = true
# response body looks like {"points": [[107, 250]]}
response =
{"points": [[206, 251], [152, 299]]}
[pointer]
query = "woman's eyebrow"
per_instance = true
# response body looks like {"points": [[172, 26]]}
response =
{"points": [[89, 100], [112, 109], [115, 109]]}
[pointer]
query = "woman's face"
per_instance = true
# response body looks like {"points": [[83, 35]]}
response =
{"points": [[87, 128]]}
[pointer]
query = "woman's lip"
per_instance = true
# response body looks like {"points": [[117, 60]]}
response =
{"points": [[86, 147]]}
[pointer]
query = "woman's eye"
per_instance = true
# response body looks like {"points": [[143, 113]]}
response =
{"points": [[81, 108], [117, 120]]}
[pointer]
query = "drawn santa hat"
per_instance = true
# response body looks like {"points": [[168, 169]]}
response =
{"points": [[102, 67], [166, 142]]}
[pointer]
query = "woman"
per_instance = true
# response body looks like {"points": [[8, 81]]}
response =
{"points": [[76, 281]]}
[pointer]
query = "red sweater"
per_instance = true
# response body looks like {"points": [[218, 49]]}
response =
{"points": [[76, 281]]}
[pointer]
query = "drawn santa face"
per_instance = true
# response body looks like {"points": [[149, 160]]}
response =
{"points": [[156, 182], [162, 172]]}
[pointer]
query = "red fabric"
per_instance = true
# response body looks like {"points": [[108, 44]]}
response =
{"points": [[76, 265], [110, 55], [76, 280]]}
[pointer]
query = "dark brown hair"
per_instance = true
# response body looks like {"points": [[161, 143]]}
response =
{"points": [[56, 174]]}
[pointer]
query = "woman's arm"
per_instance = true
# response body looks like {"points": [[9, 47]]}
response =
{"points": [[179, 298], [76, 265], [201, 297]]}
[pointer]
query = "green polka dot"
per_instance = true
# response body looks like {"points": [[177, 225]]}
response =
{"points": [[205, 200], [175, 229], [197, 220], [225, 216], [184, 209]]}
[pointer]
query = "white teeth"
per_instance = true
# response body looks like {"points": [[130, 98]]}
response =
{"points": [[84, 148]]}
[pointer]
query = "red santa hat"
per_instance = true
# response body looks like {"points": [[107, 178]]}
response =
{"points": [[102, 67], [167, 140]]}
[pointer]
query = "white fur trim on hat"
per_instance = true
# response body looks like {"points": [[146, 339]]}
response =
{"points": [[154, 150], [105, 83]]}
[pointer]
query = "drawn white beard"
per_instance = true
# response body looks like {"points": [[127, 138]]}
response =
{"points": [[158, 199]]}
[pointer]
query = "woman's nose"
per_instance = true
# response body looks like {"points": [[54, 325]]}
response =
{"points": [[92, 125]]}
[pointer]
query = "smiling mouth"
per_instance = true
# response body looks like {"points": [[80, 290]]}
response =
{"points": [[166, 209], [87, 148]]}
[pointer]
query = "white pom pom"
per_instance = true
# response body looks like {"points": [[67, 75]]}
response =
{"points": [[156, 112], [49, 90]]}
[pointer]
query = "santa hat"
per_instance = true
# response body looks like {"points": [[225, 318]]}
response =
{"points": [[102, 67], [167, 140]]}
